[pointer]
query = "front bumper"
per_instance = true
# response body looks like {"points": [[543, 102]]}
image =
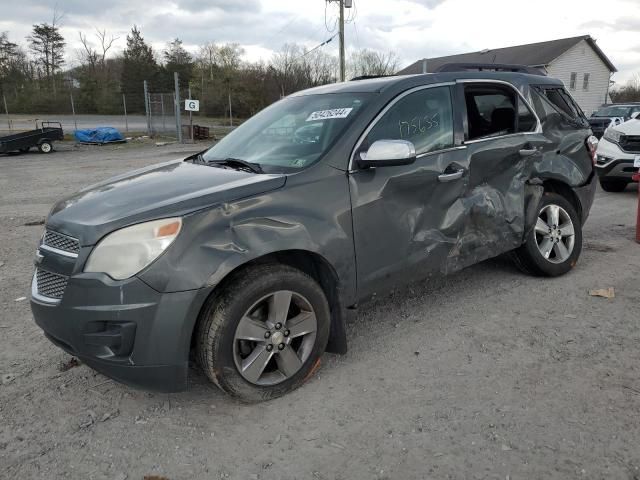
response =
{"points": [[613, 163], [124, 329]]}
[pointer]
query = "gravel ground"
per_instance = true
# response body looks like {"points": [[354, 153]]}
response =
{"points": [[484, 374]]}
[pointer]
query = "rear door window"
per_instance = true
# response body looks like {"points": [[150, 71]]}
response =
{"points": [[491, 111]]}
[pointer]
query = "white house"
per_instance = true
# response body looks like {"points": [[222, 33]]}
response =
{"points": [[578, 62]]}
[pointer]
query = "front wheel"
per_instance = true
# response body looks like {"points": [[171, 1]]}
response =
{"points": [[45, 147], [263, 334], [554, 244]]}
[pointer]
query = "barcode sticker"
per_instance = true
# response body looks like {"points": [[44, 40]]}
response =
{"points": [[327, 114]]}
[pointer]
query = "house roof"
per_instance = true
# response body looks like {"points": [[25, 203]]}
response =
{"points": [[533, 54]]}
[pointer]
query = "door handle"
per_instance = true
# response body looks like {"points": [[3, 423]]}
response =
{"points": [[527, 152], [451, 177]]}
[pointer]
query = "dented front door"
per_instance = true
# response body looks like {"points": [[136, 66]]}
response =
{"points": [[407, 219]]}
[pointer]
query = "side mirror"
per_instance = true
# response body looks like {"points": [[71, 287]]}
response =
{"points": [[388, 153]]}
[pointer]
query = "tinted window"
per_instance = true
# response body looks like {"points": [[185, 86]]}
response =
{"points": [[555, 103], [424, 118], [491, 111], [612, 111], [293, 133]]}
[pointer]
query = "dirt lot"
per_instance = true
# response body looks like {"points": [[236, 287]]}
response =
{"points": [[484, 374]]}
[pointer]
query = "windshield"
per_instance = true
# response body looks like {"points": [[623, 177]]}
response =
{"points": [[612, 111], [290, 134]]}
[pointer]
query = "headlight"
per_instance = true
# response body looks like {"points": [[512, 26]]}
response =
{"points": [[612, 135], [125, 252]]}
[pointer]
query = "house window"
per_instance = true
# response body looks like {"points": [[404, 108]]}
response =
{"points": [[572, 83], [585, 82]]}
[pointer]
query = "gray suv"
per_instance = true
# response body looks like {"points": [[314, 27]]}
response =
{"points": [[254, 254]]}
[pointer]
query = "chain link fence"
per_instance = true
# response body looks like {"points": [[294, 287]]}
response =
{"points": [[151, 111]]}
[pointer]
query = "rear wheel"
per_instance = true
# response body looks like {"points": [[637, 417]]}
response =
{"points": [[45, 147], [554, 244], [613, 185], [263, 335]]}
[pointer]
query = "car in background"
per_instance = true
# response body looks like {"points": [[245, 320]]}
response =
{"points": [[618, 155], [611, 115]]}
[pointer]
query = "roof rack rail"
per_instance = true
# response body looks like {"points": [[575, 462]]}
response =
{"points": [[493, 67], [368, 77]]}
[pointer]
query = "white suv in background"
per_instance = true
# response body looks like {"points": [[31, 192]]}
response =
{"points": [[619, 155]]}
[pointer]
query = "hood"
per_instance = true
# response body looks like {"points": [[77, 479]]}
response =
{"points": [[169, 189], [631, 127]]}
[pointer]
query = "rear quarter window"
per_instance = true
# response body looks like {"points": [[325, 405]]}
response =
{"points": [[555, 105]]}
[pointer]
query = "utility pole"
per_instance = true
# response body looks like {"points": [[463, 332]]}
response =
{"points": [[342, 65], [342, 4]]}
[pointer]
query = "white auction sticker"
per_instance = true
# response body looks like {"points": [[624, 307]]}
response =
{"points": [[636, 162], [326, 114]]}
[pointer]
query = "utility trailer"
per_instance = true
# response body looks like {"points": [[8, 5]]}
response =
{"points": [[42, 137]]}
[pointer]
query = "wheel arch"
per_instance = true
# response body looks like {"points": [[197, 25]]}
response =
{"points": [[561, 188], [314, 265]]}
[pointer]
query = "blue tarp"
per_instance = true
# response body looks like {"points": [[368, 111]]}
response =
{"points": [[99, 135]]}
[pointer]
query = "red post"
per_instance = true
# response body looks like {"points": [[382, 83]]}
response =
{"points": [[636, 178]]}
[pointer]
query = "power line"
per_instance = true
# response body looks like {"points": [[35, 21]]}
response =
{"points": [[318, 46], [355, 27], [335, 23]]}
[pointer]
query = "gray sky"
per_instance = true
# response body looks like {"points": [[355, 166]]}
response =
{"points": [[412, 28]]}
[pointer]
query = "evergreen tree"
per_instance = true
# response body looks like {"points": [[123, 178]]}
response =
{"points": [[177, 59], [47, 44], [138, 63]]}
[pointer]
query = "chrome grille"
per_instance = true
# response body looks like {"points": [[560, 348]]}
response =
{"points": [[61, 242], [50, 284]]}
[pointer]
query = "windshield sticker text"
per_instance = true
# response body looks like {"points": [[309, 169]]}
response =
{"points": [[327, 114]]}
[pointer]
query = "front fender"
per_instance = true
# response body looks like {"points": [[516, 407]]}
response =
{"points": [[311, 213]]}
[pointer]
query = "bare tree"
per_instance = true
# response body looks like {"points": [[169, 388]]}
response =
{"points": [[367, 62], [322, 68], [630, 92], [206, 58], [96, 56]]}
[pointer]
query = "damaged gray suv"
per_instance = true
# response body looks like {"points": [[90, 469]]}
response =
{"points": [[253, 254]]}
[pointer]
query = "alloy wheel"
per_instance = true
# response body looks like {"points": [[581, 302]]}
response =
{"points": [[555, 235], [274, 338]]}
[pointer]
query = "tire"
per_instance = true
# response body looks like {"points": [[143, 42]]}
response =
{"points": [[45, 147], [223, 356], [530, 258], [613, 185]]}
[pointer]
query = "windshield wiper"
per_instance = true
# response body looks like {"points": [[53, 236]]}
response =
{"points": [[235, 163]]}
